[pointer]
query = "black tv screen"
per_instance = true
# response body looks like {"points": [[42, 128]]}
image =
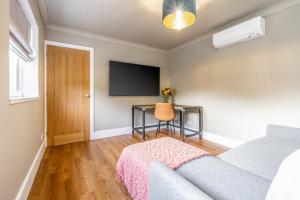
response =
{"points": [[127, 79]]}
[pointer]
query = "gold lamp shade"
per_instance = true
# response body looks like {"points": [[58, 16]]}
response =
{"points": [[179, 14]]}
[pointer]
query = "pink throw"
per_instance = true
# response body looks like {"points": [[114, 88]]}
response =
{"points": [[132, 167]]}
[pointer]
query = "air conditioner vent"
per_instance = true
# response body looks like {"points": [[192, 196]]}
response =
{"points": [[243, 32]]}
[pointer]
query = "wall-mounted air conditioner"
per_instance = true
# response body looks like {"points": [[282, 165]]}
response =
{"points": [[243, 32]]}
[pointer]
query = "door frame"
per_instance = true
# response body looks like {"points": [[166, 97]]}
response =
{"points": [[92, 91]]}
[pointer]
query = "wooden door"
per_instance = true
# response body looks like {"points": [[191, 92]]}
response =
{"points": [[68, 92]]}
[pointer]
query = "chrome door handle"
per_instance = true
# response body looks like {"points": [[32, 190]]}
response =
{"points": [[87, 95]]}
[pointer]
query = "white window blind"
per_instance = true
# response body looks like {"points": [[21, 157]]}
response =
{"points": [[20, 31]]}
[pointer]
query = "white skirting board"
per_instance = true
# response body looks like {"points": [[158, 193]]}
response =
{"points": [[225, 141], [111, 133], [212, 137], [228, 142], [115, 132], [28, 181]]}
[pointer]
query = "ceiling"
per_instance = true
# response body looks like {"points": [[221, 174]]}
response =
{"points": [[139, 21]]}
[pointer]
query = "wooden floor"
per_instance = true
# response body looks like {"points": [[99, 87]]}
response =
{"points": [[86, 170]]}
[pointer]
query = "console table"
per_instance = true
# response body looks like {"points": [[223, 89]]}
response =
{"points": [[182, 109]]}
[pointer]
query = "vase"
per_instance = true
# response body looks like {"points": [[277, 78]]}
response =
{"points": [[166, 99], [171, 100]]}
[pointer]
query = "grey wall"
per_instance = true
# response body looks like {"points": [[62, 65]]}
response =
{"points": [[247, 86], [242, 88], [115, 112], [21, 124]]}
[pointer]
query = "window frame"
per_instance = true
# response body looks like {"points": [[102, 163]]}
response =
{"points": [[26, 93], [18, 93]]}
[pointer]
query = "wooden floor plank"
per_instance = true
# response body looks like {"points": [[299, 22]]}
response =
{"points": [[86, 170]]}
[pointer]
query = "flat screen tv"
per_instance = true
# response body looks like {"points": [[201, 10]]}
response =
{"points": [[127, 79]]}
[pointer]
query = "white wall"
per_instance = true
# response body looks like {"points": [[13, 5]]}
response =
{"points": [[115, 112], [21, 124], [247, 86]]}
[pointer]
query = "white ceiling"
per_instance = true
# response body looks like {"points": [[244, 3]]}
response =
{"points": [[139, 21]]}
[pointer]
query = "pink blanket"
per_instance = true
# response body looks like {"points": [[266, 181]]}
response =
{"points": [[132, 167]]}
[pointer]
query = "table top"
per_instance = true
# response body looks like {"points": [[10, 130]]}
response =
{"points": [[176, 107]]}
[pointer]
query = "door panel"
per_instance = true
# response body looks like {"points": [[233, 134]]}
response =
{"points": [[68, 86]]}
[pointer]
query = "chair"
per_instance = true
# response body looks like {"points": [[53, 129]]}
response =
{"points": [[164, 112]]}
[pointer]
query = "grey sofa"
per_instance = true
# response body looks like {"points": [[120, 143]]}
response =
{"points": [[243, 173]]}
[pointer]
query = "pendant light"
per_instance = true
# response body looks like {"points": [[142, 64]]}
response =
{"points": [[179, 14]]}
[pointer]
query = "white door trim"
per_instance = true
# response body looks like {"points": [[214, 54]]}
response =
{"points": [[92, 93]]}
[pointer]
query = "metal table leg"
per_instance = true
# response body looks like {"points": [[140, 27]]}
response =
{"points": [[200, 123], [132, 118], [182, 125], [144, 131], [159, 126]]}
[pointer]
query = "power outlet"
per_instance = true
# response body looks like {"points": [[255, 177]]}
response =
{"points": [[42, 136]]}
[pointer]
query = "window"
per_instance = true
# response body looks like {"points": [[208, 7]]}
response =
{"points": [[15, 75], [23, 47]]}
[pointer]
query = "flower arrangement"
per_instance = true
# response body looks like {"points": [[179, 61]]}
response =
{"points": [[167, 93]]}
